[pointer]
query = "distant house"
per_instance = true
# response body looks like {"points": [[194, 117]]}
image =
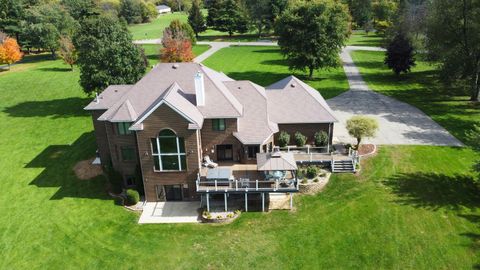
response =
{"points": [[162, 9], [182, 120]]}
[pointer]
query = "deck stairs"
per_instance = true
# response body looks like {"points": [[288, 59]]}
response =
{"points": [[343, 166]]}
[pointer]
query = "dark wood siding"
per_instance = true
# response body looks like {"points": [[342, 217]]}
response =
{"points": [[164, 117], [211, 138]]}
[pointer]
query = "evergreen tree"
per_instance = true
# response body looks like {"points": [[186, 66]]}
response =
{"points": [[231, 18], [195, 18], [106, 54], [400, 54], [214, 7]]}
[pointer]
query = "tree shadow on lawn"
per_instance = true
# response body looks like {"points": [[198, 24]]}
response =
{"points": [[56, 69], [58, 162], [435, 191], [57, 108]]}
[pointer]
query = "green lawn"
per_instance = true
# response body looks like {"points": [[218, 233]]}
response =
{"points": [[421, 89], [411, 207], [360, 38], [154, 30], [265, 65], [152, 51]]}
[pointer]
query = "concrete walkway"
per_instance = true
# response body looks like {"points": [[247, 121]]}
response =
{"points": [[170, 212], [400, 123]]}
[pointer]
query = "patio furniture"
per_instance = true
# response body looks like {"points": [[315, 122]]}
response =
{"points": [[209, 163], [223, 175]]}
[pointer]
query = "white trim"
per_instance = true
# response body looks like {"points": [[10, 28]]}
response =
{"points": [[160, 154], [171, 107]]}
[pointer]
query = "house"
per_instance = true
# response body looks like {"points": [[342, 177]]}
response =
{"points": [[163, 9], [182, 118]]}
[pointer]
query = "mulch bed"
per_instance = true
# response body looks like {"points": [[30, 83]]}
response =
{"points": [[366, 149], [85, 170]]}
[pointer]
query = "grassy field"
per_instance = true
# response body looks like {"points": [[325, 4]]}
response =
{"points": [[154, 30], [360, 38], [421, 89], [265, 65], [411, 208]]}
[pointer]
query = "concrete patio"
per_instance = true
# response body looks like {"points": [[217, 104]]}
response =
{"points": [[170, 212]]}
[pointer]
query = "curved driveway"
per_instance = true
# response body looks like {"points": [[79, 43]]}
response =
{"points": [[400, 123]]}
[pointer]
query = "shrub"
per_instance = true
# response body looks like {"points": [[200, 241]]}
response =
{"points": [[237, 212], [321, 138], [312, 171], [132, 197], [300, 174], [315, 180], [300, 139], [219, 217], [205, 213], [230, 215], [283, 139], [304, 181], [322, 173]]}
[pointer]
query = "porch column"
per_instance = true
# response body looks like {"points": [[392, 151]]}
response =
{"points": [[246, 202], [263, 202], [225, 197], [291, 201], [208, 202]]}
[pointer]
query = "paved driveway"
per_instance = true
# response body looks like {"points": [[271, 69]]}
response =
{"points": [[400, 123]]}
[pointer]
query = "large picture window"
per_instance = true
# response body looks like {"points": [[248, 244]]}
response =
{"points": [[218, 124], [168, 152]]}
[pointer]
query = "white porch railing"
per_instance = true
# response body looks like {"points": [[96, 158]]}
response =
{"points": [[246, 185]]}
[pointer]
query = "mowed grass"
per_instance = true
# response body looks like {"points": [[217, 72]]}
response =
{"points": [[360, 38], [421, 89], [152, 52], [154, 30], [410, 208], [265, 65]]}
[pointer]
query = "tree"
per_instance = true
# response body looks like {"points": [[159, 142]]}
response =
{"points": [[214, 7], [453, 39], [384, 10], [178, 28], [12, 13], [231, 19], [361, 11], [131, 11], [196, 19], [361, 127], [312, 34], [399, 56], [45, 24], [67, 51], [10, 52], [81, 9], [106, 54], [176, 47]]}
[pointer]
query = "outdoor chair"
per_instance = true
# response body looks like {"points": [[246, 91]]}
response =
{"points": [[208, 162]]}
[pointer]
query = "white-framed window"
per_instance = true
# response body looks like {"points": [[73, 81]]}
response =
{"points": [[168, 151]]}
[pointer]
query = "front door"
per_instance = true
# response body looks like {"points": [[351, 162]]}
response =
{"points": [[173, 192], [224, 152]]}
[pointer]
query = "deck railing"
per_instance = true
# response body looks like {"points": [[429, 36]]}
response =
{"points": [[304, 149], [245, 185]]}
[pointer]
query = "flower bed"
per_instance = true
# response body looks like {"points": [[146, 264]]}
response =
{"points": [[315, 184], [220, 217]]}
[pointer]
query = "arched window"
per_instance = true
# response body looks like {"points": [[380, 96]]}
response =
{"points": [[168, 151]]}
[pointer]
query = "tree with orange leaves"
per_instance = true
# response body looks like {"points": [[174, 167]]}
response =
{"points": [[10, 52], [176, 48]]}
